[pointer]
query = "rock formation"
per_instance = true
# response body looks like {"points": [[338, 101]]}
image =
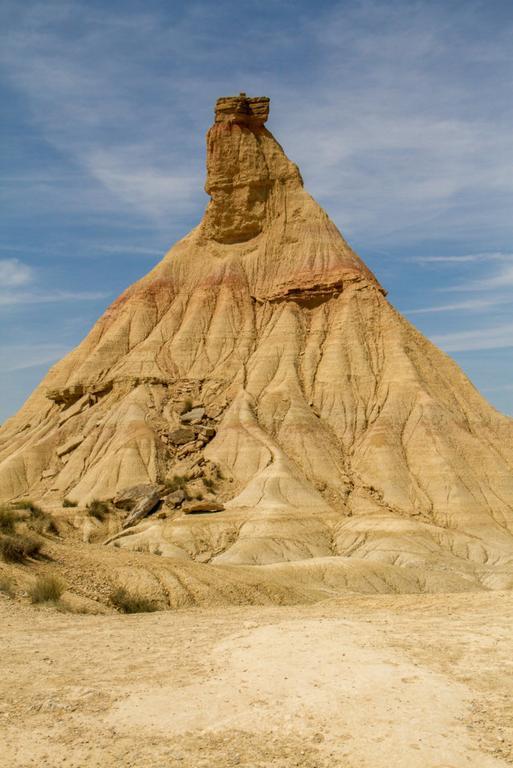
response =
{"points": [[329, 427]]}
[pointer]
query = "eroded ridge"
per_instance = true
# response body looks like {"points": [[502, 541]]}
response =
{"points": [[331, 432]]}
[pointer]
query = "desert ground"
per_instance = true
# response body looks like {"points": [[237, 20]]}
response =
{"points": [[312, 500], [357, 682]]}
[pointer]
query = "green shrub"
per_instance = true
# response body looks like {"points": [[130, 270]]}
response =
{"points": [[128, 602], [69, 503], [46, 589], [16, 549], [6, 586], [8, 519], [98, 509]]}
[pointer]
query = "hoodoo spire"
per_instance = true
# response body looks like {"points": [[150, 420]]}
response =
{"points": [[257, 192], [244, 164]]}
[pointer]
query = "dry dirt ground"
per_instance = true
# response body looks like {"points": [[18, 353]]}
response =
{"points": [[356, 682]]}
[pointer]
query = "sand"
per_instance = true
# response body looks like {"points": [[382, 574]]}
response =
{"points": [[355, 682]]}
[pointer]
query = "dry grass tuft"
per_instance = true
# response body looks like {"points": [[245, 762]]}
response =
{"points": [[8, 519], [25, 504], [46, 589], [176, 482], [98, 509], [129, 602], [7, 586], [69, 503], [41, 522], [17, 548]]}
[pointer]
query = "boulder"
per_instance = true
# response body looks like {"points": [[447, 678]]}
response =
{"points": [[145, 504], [189, 448], [174, 499], [128, 498], [207, 432], [182, 435], [198, 507], [193, 416]]}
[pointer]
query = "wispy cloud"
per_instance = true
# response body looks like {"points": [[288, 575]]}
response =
{"points": [[502, 279], [471, 305], [468, 258], [14, 273], [497, 280], [51, 297], [17, 286], [18, 357], [475, 339], [136, 249], [137, 181]]}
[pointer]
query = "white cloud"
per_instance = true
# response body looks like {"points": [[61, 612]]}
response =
{"points": [[502, 279], [33, 297], [465, 258], [471, 305], [499, 280], [136, 249], [17, 287], [131, 178], [14, 273], [484, 338]]}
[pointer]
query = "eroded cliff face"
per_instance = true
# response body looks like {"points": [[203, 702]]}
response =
{"points": [[334, 427]]}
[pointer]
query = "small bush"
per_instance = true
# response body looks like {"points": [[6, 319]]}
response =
{"points": [[46, 589], [187, 405], [6, 586], [209, 483], [127, 602], [15, 549], [98, 509], [199, 497], [8, 519], [69, 503]]}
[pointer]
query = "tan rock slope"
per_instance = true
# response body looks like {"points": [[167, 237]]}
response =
{"points": [[330, 429]]}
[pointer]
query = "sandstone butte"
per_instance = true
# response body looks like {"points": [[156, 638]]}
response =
{"points": [[345, 447]]}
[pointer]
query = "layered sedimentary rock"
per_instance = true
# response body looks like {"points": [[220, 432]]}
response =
{"points": [[335, 428]]}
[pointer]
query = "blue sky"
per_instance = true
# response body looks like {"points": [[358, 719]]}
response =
{"points": [[399, 115]]}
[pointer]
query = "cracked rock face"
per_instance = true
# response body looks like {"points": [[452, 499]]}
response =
{"points": [[340, 431]]}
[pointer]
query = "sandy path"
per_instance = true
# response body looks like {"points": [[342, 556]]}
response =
{"points": [[384, 681]]}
